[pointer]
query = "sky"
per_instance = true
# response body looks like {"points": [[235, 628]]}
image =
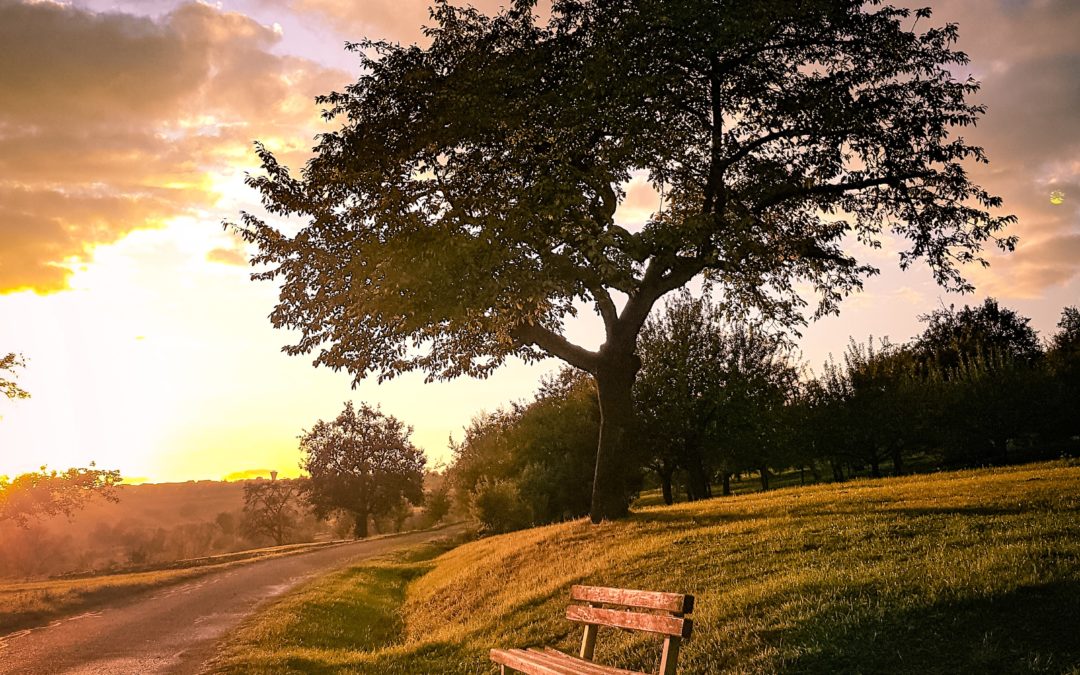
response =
{"points": [[125, 134]]}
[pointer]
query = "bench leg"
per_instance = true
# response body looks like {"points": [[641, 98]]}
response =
{"points": [[670, 656], [588, 642]]}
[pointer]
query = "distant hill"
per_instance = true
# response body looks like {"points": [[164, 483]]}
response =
{"points": [[157, 505], [150, 523]]}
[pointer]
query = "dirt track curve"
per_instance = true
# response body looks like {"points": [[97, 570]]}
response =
{"points": [[174, 629]]}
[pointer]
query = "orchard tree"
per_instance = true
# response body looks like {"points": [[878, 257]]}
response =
{"points": [[362, 462], [953, 336], [272, 507], [466, 206], [677, 392]]}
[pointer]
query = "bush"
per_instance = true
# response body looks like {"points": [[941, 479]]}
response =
{"points": [[497, 504]]}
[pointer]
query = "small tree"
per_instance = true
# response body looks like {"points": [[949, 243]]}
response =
{"points": [[437, 505], [953, 336], [466, 207], [677, 393], [1063, 378], [41, 494], [543, 449], [362, 462], [272, 508]]}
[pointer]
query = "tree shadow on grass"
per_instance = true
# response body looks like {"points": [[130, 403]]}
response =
{"points": [[1033, 629], [667, 516]]}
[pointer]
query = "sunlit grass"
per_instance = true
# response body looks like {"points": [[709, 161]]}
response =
{"points": [[975, 571], [33, 603]]}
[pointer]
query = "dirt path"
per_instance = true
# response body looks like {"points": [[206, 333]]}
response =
{"points": [[174, 630]]}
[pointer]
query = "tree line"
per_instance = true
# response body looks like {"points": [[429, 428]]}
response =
{"points": [[719, 399]]}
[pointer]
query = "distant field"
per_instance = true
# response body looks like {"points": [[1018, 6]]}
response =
{"points": [[969, 572], [33, 603]]}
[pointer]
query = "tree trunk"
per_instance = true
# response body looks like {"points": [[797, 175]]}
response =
{"points": [[1001, 444], [897, 460], [837, 471], [726, 481], [875, 470], [698, 480], [665, 487], [360, 529], [611, 489], [764, 471]]}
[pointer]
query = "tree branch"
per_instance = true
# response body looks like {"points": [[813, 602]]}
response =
{"points": [[557, 346], [659, 279], [606, 307], [843, 186]]}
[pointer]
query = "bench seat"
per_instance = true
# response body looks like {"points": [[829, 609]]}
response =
{"points": [[661, 614], [552, 662]]}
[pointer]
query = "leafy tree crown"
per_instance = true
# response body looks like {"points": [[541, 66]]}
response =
{"points": [[466, 205]]}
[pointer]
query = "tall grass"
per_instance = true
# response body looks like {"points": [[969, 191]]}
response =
{"points": [[976, 571]]}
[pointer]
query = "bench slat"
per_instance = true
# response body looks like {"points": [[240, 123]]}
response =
{"points": [[522, 661], [653, 623], [591, 667], [678, 603], [573, 666]]}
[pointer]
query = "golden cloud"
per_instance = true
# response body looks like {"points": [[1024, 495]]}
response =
{"points": [[246, 475], [111, 122], [227, 256], [396, 20]]}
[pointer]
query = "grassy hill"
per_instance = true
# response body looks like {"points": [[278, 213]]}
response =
{"points": [[976, 571]]}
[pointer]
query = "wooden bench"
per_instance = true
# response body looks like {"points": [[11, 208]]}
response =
{"points": [[664, 615]]}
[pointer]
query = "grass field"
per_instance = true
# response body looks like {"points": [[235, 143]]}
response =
{"points": [[970, 572], [33, 603]]}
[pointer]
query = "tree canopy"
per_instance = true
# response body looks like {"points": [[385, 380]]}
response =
{"points": [[465, 208], [707, 394], [41, 494], [953, 336], [272, 508], [362, 462]]}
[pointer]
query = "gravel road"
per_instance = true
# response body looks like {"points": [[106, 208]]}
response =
{"points": [[174, 629]]}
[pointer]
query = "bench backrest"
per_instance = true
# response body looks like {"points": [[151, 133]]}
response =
{"points": [[661, 613]]}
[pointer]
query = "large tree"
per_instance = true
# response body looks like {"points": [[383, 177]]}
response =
{"points": [[362, 462], [466, 206]]}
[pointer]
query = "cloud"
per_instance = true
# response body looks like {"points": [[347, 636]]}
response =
{"points": [[111, 122], [1026, 55], [246, 475], [227, 256], [395, 20]]}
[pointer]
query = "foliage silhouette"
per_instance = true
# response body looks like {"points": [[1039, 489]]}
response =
{"points": [[272, 508], [8, 387], [362, 462], [40, 494]]}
